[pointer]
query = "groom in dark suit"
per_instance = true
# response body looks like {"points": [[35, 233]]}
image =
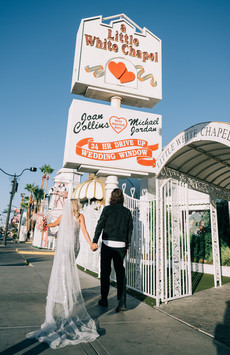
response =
{"points": [[117, 224]]}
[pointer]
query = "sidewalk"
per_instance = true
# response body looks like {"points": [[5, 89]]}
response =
{"points": [[24, 277]]}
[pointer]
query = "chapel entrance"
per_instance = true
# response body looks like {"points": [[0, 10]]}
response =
{"points": [[197, 159]]}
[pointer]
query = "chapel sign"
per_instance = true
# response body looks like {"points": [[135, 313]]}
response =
{"points": [[104, 137], [205, 131], [117, 58]]}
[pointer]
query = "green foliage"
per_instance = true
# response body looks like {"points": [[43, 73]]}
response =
{"points": [[201, 246], [46, 169], [223, 223], [201, 239], [225, 256], [28, 187], [25, 202], [38, 193], [14, 232]]}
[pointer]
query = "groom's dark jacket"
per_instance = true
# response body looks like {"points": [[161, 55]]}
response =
{"points": [[116, 223]]}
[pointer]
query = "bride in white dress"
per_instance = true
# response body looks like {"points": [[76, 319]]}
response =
{"points": [[67, 320]]}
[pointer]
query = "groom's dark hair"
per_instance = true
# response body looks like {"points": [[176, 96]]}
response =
{"points": [[116, 197]]}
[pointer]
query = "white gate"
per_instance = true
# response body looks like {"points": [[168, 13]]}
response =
{"points": [[175, 241], [141, 259]]}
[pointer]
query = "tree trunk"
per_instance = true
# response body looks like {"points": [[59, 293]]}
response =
{"points": [[28, 215], [42, 183], [47, 179]]}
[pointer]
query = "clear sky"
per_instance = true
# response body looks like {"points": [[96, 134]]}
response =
{"points": [[37, 41]]}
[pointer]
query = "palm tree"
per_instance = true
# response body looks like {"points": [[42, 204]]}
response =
{"points": [[30, 188], [22, 199], [38, 195], [21, 212], [43, 170], [24, 206], [25, 202], [46, 170], [49, 171]]}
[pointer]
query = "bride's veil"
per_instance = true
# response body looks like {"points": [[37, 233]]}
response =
{"points": [[67, 321]]}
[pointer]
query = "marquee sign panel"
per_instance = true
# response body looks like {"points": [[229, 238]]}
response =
{"points": [[102, 136], [117, 59]]}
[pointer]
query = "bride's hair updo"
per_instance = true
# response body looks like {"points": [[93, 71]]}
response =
{"points": [[75, 206]]}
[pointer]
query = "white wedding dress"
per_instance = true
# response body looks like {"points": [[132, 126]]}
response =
{"points": [[67, 321]]}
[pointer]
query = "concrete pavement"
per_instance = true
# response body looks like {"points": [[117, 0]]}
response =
{"points": [[186, 326]]}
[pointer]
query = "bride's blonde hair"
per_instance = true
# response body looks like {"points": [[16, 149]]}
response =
{"points": [[75, 206]]}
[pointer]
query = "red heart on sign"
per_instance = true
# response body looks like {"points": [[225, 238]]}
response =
{"points": [[127, 77], [117, 69], [118, 123]]}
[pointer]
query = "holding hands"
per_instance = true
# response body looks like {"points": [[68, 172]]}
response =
{"points": [[94, 246]]}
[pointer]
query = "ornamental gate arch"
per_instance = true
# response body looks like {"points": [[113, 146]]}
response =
{"points": [[198, 159]]}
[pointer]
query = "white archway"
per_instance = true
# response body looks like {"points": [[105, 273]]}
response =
{"points": [[198, 158]]}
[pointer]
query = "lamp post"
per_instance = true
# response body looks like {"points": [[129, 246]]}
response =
{"points": [[13, 190]]}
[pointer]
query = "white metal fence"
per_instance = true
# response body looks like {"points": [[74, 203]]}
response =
{"points": [[141, 259], [159, 260]]}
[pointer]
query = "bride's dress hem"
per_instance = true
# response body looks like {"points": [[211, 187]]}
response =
{"points": [[67, 321]]}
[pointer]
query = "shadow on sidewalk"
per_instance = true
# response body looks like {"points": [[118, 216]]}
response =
{"points": [[92, 295], [23, 345], [16, 264], [222, 331]]}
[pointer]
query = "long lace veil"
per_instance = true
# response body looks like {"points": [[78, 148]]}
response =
{"points": [[67, 321]]}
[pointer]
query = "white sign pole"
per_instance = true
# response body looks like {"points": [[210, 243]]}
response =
{"points": [[111, 182], [116, 101]]}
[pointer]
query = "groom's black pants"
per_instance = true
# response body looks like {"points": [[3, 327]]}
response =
{"points": [[117, 255]]}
